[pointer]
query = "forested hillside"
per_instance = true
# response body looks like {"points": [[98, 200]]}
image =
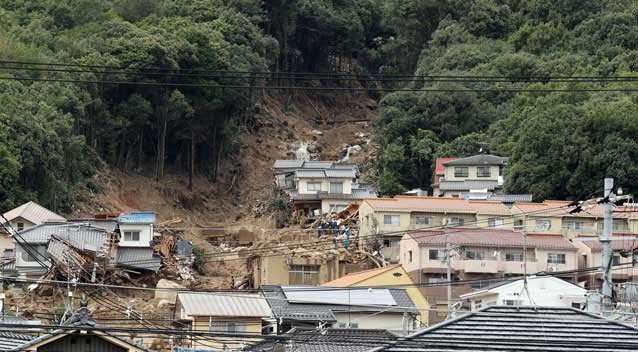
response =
{"points": [[170, 111], [561, 143]]}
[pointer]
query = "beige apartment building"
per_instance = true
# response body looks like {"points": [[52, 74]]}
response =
{"points": [[478, 173], [483, 256], [391, 217], [590, 256]]}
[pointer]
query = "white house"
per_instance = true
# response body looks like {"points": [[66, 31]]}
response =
{"points": [[136, 228], [544, 291]]}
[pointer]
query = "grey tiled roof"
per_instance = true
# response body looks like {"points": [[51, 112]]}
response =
{"points": [[480, 159], [467, 185], [331, 340], [507, 198], [281, 308], [219, 304], [108, 225], [138, 258], [33, 212], [327, 173], [501, 328], [10, 340], [357, 194]]}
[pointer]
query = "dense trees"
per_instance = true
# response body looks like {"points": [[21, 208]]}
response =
{"points": [[560, 144], [54, 134]]}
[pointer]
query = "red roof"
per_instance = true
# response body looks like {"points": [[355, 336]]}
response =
{"points": [[490, 238], [439, 168], [628, 244]]}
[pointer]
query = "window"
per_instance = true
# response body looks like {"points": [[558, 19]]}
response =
{"points": [[437, 278], [512, 302], [423, 220], [336, 187], [354, 325], [555, 258], [518, 224], [391, 220], [303, 275], [337, 207], [228, 326], [615, 260], [20, 226], [577, 305], [478, 304], [436, 254], [495, 222], [131, 236], [575, 225], [473, 255], [513, 256], [620, 225], [456, 221], [409, 256], [461, 171], [314, 186], [483, 171], [543, 225]]}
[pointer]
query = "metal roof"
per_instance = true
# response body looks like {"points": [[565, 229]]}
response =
{"points": [[33, 212], [138, 258], [480, 159], [357, 194], [284, 309], [536, 329], [305, 294], [219, 304], [82, 236], [328, 173], [108, 225], [468, 185], [138, 217], [330, 340]]}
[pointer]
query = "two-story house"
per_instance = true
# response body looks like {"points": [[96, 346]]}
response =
{"points": [[482, 256], [136, 235], [233, 314], [389, 218], [358, 308], [478, 173], [320, 187], [23, 217], [624, 249]]}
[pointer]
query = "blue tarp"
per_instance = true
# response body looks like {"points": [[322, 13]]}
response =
{"points": [[138, 217]]}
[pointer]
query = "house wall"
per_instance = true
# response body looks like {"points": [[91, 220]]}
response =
{"points": [[146, 235], [202, 323], [26, 223], [29, 268], [274, 270], [6, 242], [387, 321], [395, 277], [548, 292], [472, 174], [302, 184]]}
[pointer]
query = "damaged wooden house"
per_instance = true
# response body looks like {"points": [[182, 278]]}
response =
{"points": [[88, 246], [320, 187]]}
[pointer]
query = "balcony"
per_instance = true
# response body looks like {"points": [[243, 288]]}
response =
{"points": [[480, 266]]}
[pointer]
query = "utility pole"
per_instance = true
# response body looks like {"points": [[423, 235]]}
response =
{"points": [[605, 240], [448, 259]]}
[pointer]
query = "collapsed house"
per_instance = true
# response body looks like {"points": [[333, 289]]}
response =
{"points": [[320, 187]]}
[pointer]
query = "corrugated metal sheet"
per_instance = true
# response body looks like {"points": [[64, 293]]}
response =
{"points": [[139, 258], [138, 217], [236, 305], [322, 295], [33, 212]]}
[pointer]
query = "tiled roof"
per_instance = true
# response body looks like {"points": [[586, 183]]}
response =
{"points": [[357, 194], [10, 340], [628, 244], [33, 212], [138, 258], [108, 225], [533, 329], [292, 165], [236, 305], [439, 168], [328, 173], [468, 185], [353, 278], [480, 159], [82, 236], [436, 205], [481, 237], [66, 332], [507, 198], [281, 308], [330, 340]]}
